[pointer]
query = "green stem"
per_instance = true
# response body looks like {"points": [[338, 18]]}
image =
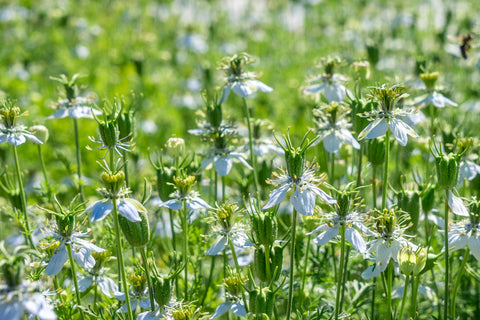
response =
{"points": [[120, 259], [304, 274], [447, 261], [74, 276], [23, 197], [389, 290], [385, 169], [174, 246], [332, 169], [79, 160], [457, 281], [413, 304], [374, 187], [95, 291], [292, 264], [344, 278], [267, 260], [340, 283], [143, 252], [359, 167], [209, 281], [372, 305], [234, 255], [45, 176], [252, 154], [125, 168], [404, 298]]}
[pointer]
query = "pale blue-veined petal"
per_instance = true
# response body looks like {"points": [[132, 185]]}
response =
{"points": [[362, 228], [375, 129], [90, 246], [401, 131], [259, 85], [468, 171], [3, 138], [11, 310], [474, 245], [242, 88], [206, 162], [16, 139], [57, 261], [240, 240], [334, 93], [384, 254], [38, 306], [240, 158], [100, 209], [174, 204], [144, 303], [129, 210], [82, 112], [456, 205], [221, 309], [59, 114], [196, 203], [349, 139], [107, 285], [355, 238], [223, 165], [225, 94], [314, 89], [440, 101], [276, 196], [197, 132], [322, 194], [83, 256], [326, 236], [84, 283], [217, 246], [31, 137], [238, 309], [371, 272], [457, 241], [373, 245], [332, 142], [303, 200], [318, 229], [150, 315]]}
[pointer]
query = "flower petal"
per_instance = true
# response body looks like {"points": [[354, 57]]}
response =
{"points": [[240, 240], [100, 210], [349, 139], [221, 309], [239, 310], [174, 204], [354, 237], [259, 85], [326, 236], [334, 93], [375, 129], [128, 210], [276, 196], [12, 310], [332, 142], [217, 246], [242, 89], [225, 94], [371, 272], [31, 137], [16, 139], [197, 203], [57, 261], [303, 201], [325, 197], [83, 257], [314, 89], [456, 205], [223, 165], [84, 283], [38, 306], [87, 244], [108, 286], [400, 131]]}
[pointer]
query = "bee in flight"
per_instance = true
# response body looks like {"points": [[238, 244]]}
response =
{"points": [[465, 45], [462, 47]]}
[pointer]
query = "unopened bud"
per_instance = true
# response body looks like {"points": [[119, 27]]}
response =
{"points": [[412, 262], [175, 147], [162, 291], [429, 79], [41, 132], [137, 233]]}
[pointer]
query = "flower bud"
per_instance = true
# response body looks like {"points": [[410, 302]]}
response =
{"points": [[409, 201], [412, 262], [9, 113], [264, 228], [109, 133], [234, 285], [41, 132], [126, 124], [447, 170], [376, 151], [139, 282], [184, 183], [362, 69], [66, 224], [428, 198], [429, 79], [175, 147], [137, 233], [162, 291], [113, 182]]}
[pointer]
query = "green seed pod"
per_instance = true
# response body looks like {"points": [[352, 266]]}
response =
{"points": [[277, 261], [136, 233], [264, 228], [162, 291], [295, 163], [109, 133], [65, 224], [376, 152], [263, 301], [13, 273], [261, 316], [412, 262], [428, 199], [343, 204], [409, 201], [126, 124], [260, 263], [447, 170]]}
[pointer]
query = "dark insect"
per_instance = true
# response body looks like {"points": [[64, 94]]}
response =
{"points": [[465, 46]]}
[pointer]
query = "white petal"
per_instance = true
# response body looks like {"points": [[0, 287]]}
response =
{"points": [[57, 261], [456, 205], [303, 201], [12, 310], [371, 272], [3, 138], [240, 158], [400, 131], [16, 139], [468, 170], [128, 210], [259, 85], [90, 246], [223, 165], [222, 309], [240, 240], [38, 306], [318, 229], [325, 197], [242, 89], [145, 303], [332, 142], [108, 286], [206, 162], [174, 204], [32, 138], [81, 112], [137, 204], [326, 236], [457, 241], [217, 246], [348, 138], [354, 237], [276, 196], [84, 283], [474, 245], [225, 94], [334, 93], [60, 114], [239, 310], [100, 210], [197, 203], [83, 257], [314, 89], [375, 129]]}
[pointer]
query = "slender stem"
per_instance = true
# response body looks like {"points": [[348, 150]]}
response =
{"points": [[447, 261], [413, 304], [332, 168], [292, 264], [267, 261], [185, 251], [340, 282], [372, 305], [143, 252], [385, 169], [174, 246], [304, 274], [120, 258], [359, 167], [344, 277], [374, 186], [45, 176], [74, 276], [237, 266], [79, 160], [252, 154], [457, 281], [225, 265], [125, 167], [404, 298], [209, 281], [95, 290], [23, 197], [389, 290]]}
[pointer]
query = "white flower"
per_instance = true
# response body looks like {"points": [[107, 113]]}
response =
{"points": [[436, 99], [15, 303], [107, 285], [223, 159], [81, 251], [333, 136], [468, 171], [235, 234], [331, 228], [305, 192], [16, 135], [465, 233], [192, 201], [456, 204], [77, 108], [236, 306], [333, 92], [136, 298], [129, 208]]}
